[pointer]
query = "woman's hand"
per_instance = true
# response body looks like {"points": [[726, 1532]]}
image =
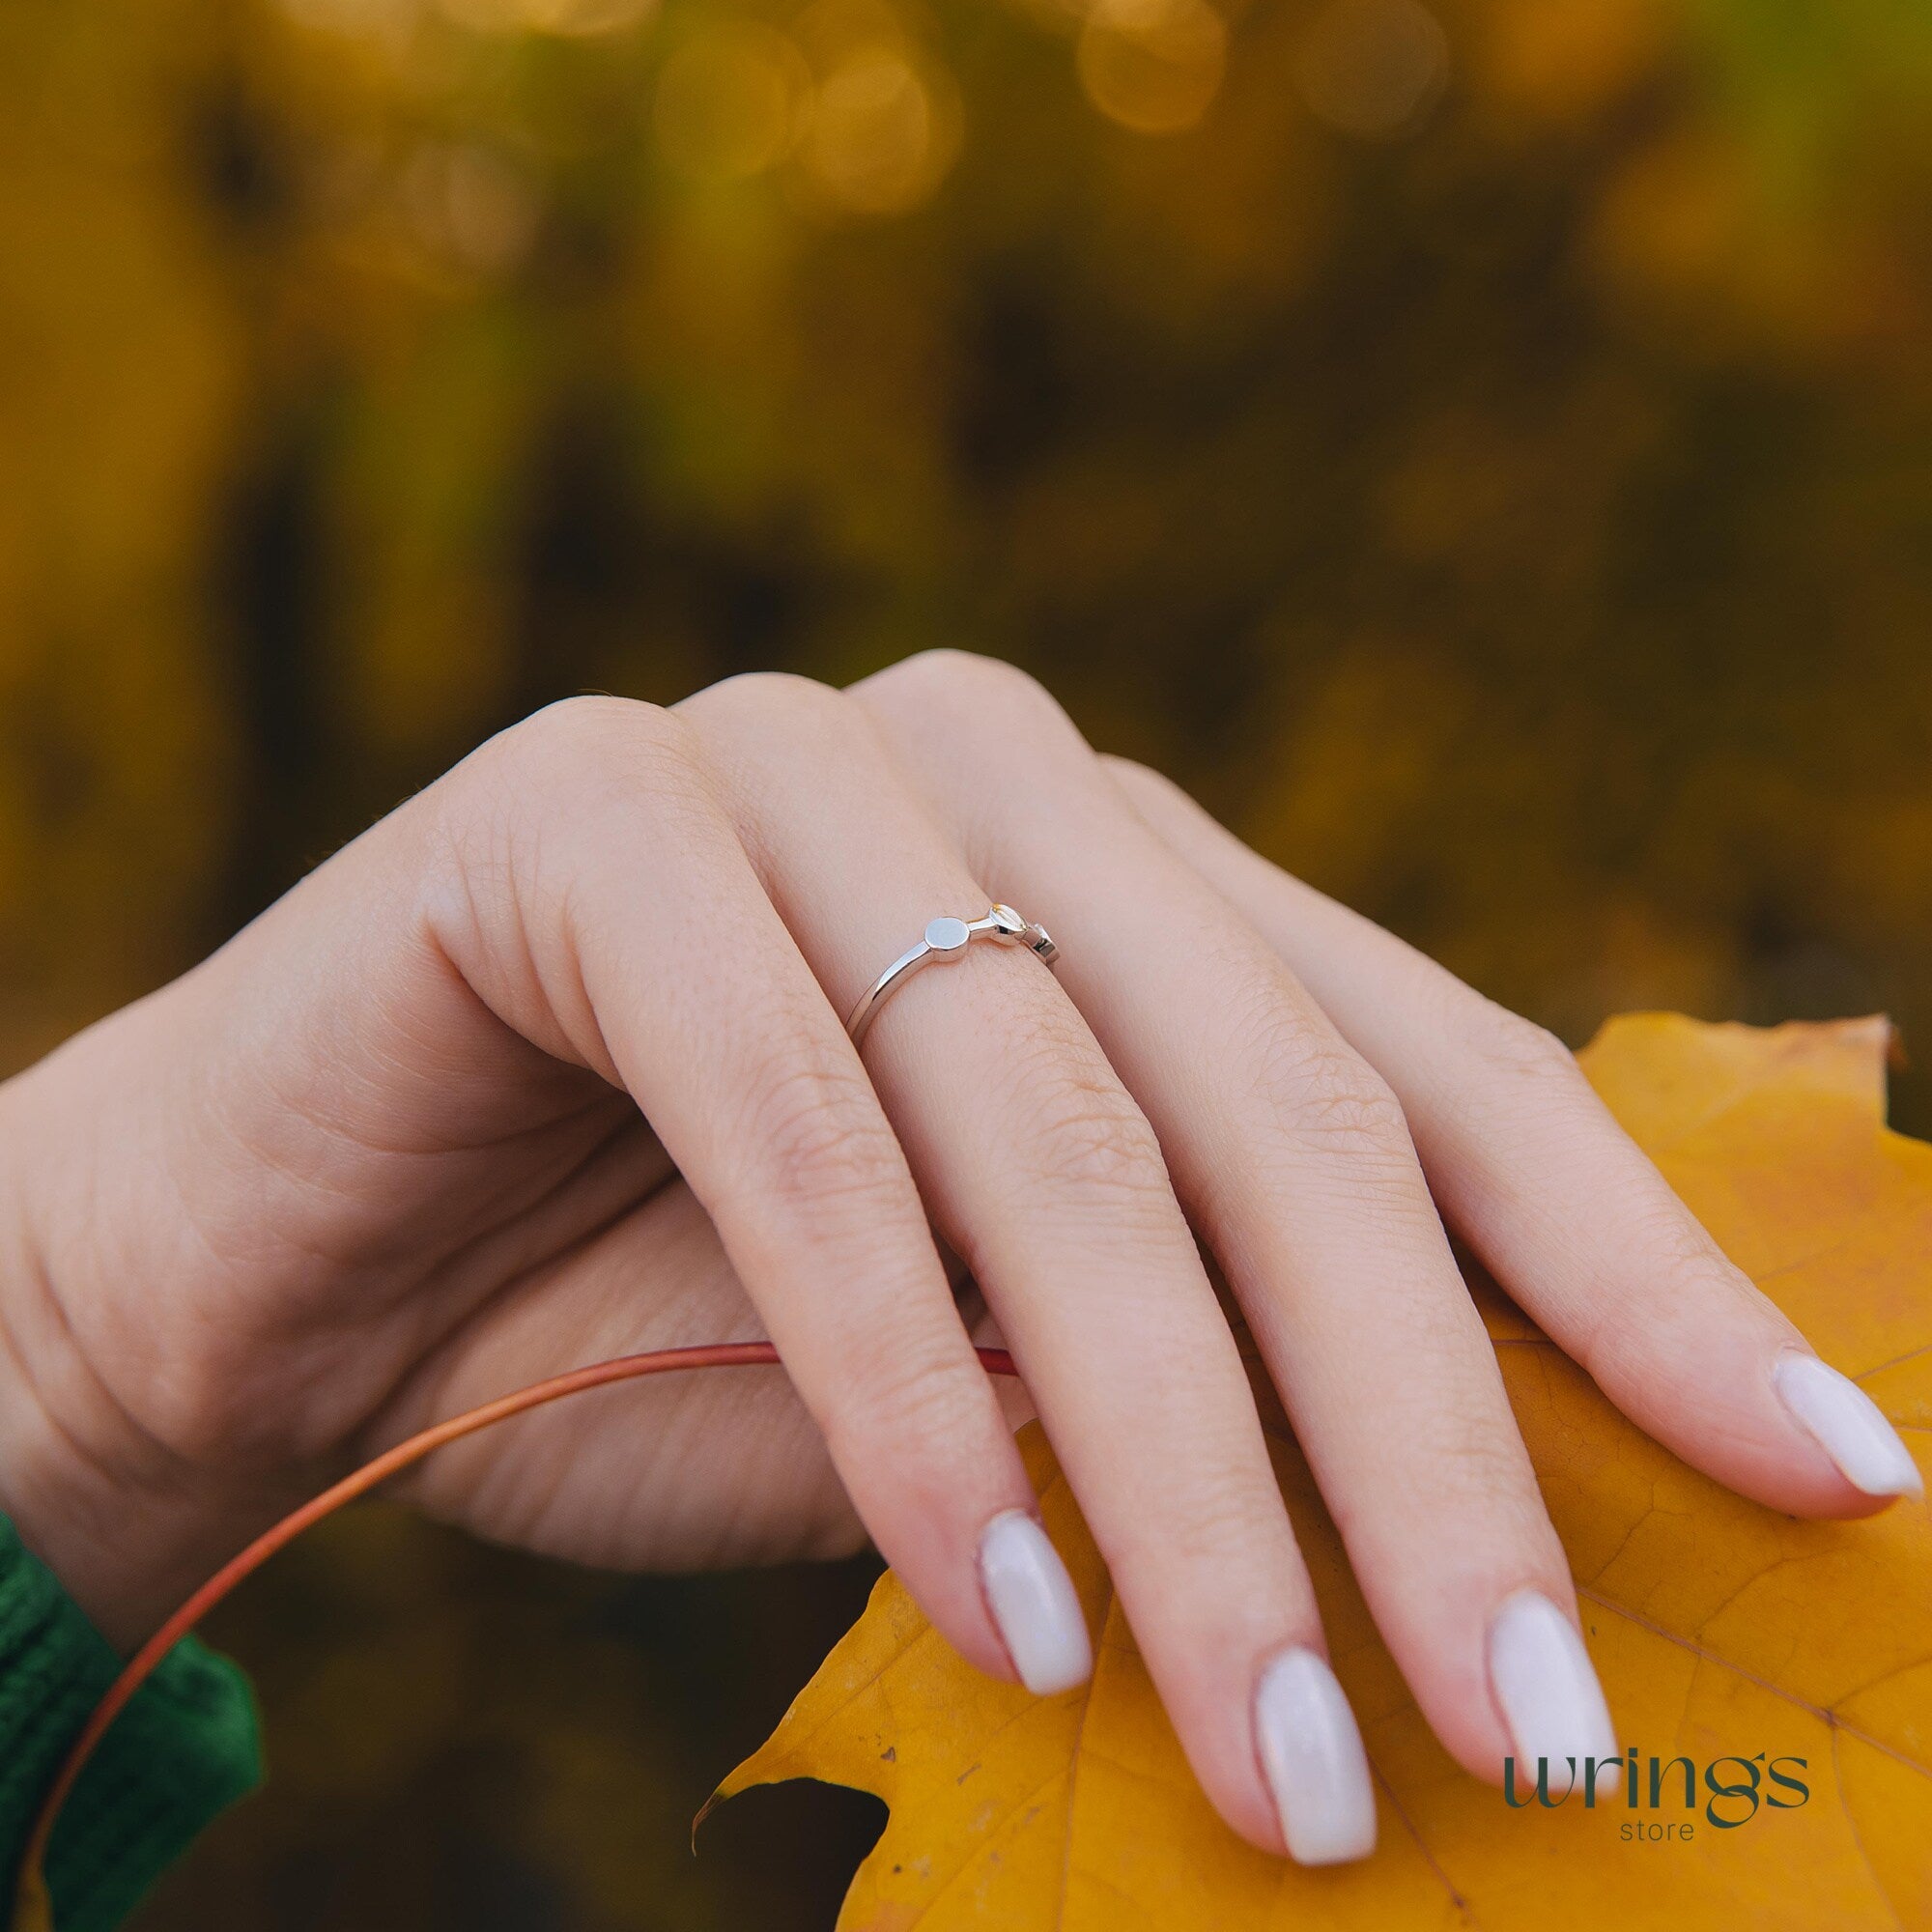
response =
{"points": [[551, 1065]]}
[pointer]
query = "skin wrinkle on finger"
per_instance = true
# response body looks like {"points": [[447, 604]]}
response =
{"points": [[1566, 1212], [1292, 1157], [589, 761], [782, 1129], [1038, 1168]]}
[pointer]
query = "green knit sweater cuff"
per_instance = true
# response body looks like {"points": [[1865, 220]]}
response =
{"points": [[186, 1747]]}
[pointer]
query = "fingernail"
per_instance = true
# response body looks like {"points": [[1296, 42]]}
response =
{"points": [[1543, 1680], [1849, 1426], [1313, 1755], [1035, 1605]]}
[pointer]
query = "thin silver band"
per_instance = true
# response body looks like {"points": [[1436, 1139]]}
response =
{"points": [[948, 939]]}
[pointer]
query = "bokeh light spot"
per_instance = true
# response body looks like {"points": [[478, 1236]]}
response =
{"points": [[583, 18], [728, 102], [1373, 68], [881, 135], [1153, 66], [385, 23]]}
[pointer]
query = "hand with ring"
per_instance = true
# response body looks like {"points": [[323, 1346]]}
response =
{"points": [[553, 1065]]}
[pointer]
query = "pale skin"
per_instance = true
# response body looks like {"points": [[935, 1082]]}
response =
{"points": [[549, 1065]]}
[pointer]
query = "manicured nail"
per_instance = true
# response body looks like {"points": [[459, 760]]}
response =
{"points": [[1549, 1695], [1035, 1605], [1849, 1426], [1313, 1755]]}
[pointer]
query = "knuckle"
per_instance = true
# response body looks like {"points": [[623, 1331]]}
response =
{"points": [[902, 1393], [1320, 1090], [949, 680], [1353, 1109], [599, 744], [495, 814], [1520, 1049], [1085, 1134], [1688, 1260], [817, 1138], [1483, 1473], [758, 695], [1232, 1507], [563, 733]]}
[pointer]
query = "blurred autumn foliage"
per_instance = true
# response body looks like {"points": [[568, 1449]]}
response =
{"points": [[1484, 447]]}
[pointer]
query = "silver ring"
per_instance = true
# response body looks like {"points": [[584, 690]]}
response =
{"points": [[948, 939]]}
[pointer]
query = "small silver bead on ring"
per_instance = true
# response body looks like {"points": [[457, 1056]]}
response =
{"points": [[948, 938]]}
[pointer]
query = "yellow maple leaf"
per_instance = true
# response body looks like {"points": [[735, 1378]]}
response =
{"points": [[1719, 1627]]}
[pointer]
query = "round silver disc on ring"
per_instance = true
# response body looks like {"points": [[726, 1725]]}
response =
{"points": [[948, 938]]}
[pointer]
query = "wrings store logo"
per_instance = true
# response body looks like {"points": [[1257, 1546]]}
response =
{"points": [[1729, 1790]]}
